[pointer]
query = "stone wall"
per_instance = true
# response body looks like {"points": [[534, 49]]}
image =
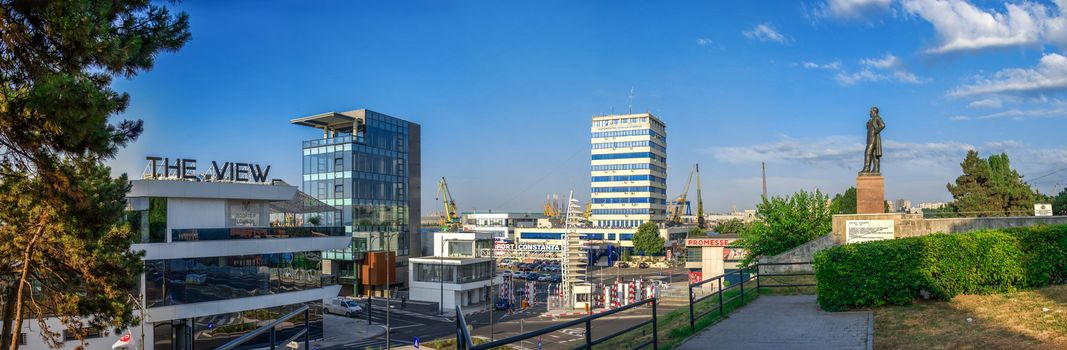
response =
{"points": [[803, 253], [913, 225]]}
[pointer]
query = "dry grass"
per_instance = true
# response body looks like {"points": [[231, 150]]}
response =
{"points": [[1001, 321]]}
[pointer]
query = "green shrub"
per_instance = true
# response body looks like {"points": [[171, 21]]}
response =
{"points": [[940, 265]]}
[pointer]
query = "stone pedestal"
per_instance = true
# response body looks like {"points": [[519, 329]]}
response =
{"points": [[870, 194]]}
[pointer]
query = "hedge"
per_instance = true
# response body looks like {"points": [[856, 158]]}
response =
{"points": [[940, 266]]}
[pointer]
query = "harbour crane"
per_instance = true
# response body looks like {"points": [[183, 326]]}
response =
{"points": [[700, 201], [678, 207], [450, 220]]}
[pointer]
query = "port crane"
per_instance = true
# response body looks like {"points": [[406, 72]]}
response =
{"points": [[678, 207], [450, 220]]}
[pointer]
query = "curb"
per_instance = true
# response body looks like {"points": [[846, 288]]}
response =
{"points": [[571, 314]]}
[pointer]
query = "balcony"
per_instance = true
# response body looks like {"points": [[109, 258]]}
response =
{"points": [[229, 233]]}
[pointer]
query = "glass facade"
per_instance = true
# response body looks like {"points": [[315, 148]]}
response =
{"points": [[192, 280], [479, 271], [365, 173]]}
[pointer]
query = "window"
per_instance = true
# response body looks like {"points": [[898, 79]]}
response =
{"points": [[542, 235]]}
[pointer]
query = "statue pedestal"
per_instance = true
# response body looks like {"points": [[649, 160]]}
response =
{"points": [[870, 194]]}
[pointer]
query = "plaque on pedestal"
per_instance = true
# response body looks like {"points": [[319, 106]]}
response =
{"points": [[870, 194]]}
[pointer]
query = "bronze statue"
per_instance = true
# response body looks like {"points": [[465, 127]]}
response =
{"points": [[872, 155]]}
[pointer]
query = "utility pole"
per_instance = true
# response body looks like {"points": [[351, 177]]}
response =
{"points": [[388, 290]]}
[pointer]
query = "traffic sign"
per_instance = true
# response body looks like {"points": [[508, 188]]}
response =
{"points": [[538, 343], [416, 342]]}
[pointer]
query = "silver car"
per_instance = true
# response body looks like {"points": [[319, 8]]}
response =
{"points": [[343, 306]]}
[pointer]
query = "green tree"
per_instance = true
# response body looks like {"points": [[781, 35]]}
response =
{"points": [[990, 187], [844, 203], [63, 249], [696, 232], [786, 222], [647, 240], [1059, 203], [730, 226]]}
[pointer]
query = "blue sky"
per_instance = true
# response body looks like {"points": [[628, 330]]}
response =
{"points": [[504, 91]]}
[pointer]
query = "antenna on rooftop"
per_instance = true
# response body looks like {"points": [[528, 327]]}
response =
{"points": [[631, 109]]}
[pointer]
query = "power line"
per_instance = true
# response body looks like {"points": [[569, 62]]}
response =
{"points": [[1047, 175]]}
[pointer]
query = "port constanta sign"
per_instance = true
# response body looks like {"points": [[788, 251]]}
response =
{"points": [[185, 169]]}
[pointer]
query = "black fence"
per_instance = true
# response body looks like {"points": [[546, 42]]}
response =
{"points": [[744, 275], [464, 341], [269, 329]]}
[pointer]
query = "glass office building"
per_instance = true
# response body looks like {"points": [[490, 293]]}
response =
{"points": [[367, 164]]}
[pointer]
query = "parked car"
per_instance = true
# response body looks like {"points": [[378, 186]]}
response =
{"points": [[623, 265], [643, 265], [545, 278], [343, 306], [519, 275], [533, 276], [502, 304], [506, 273], [556, 278]]}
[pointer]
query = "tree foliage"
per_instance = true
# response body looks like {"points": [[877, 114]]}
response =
{"points": [[730, 226], [782, 223], [1059, 203], [647, 240], [844, 203], [696, 232], [990, 187], [63, 249]]}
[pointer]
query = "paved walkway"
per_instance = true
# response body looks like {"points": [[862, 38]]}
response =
{"points": [[787, 322]]}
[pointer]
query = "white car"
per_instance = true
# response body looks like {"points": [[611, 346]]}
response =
{"points": [[343, 306]]}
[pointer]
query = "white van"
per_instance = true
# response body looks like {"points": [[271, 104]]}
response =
{"points": [[343, 306]]}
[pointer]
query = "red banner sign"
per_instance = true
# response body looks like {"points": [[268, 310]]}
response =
{"points": [[708, 242]]}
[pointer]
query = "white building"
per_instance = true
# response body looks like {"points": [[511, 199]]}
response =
{"points": [[219, 262], [460, 272], [501, 225], [629, 170]]}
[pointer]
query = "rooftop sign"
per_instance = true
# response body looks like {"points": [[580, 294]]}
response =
{"points": [[185, 169], [709, 242]]}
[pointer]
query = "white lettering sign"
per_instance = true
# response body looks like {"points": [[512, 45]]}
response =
{"points": [[1042, 209], [857, 231]]}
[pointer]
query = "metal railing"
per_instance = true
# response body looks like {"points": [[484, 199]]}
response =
{"points": [[227, 233], [753, 273], [465, 342], [269, 329]]}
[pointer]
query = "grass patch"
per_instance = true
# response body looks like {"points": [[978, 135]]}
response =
{"points": [[673, 328], [449, 343], [1013, 320]]}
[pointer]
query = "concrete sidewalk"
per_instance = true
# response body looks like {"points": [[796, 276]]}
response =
{"points": [[787, 322]]}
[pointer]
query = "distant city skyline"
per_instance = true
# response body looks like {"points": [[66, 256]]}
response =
{"points": [[505, 91]]}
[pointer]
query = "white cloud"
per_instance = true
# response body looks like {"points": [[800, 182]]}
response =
{"points": [[1050, 75], [1019, 114], [765, 32], [839, 150], [886, 68], [985, 103], [835, 65], [704, 41], [962, 26], [852, 9]]}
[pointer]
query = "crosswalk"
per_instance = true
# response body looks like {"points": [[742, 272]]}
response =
{"points": [[379, 314]]}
